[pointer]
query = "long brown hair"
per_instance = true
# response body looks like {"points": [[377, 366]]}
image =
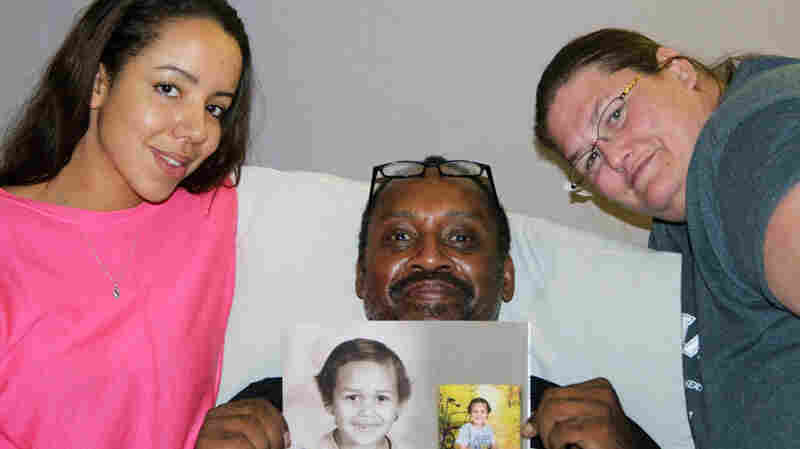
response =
{"points": [[610, 49], [41, 141]]}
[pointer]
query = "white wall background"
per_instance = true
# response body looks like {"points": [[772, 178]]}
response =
{"points": [[349, 84]]}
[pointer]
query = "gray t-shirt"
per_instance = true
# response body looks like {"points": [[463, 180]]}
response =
{"points": [[741, 345], [472, 437]]}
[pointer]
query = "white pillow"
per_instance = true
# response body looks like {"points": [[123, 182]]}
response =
{"points": [[596, 307], [601, 308], [296, 255]]}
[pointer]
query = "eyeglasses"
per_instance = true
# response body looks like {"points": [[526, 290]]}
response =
{"points": [[384, 173], [612, 119]]}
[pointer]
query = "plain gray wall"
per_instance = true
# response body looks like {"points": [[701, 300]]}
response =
{"points": [[349, 84]]}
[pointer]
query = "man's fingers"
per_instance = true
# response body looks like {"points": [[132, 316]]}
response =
{"points": [[568, 412], [272, 423], [569, 433], [224, 441], [586, 415], [529, 430], [236, 431], [245, 424], [587, 433], [599, 389], [242, 407]]}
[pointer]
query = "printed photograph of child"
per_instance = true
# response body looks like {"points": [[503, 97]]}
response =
{"points": [[374, 384], [364, 386], [479, 416]]}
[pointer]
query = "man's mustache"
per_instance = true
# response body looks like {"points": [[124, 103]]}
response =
{"points": [[397, 289]]}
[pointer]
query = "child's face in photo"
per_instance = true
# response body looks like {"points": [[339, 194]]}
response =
{"points": [[478, 414], [365, 402]]}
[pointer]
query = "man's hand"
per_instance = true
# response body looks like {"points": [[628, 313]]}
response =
{"points": [[587, 415], [245, 424]]}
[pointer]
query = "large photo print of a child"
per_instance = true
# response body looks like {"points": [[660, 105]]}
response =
{"points": [[374, 384], [364, 386]]}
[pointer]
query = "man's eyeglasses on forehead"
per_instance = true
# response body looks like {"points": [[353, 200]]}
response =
{"points": [[611, 120], [383, 173]]}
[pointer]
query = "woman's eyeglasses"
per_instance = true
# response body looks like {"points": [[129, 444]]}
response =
{"points": [[612, 119]]}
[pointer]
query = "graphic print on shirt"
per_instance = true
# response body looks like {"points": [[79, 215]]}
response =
{"points": [[473, 437], [481, 442], [691, 347]]}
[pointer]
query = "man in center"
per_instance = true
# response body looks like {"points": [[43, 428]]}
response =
{"points": [[434, 245]]}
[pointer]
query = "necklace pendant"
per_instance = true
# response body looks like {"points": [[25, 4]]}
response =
{"points": [[115, 291]]}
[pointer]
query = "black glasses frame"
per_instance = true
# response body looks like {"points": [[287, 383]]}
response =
{"points": [[379, 170]]}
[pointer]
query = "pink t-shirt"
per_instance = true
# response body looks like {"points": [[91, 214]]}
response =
{"points": [[80, 368]]}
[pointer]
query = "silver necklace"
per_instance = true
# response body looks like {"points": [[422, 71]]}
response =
{"points": [[115, 290]]}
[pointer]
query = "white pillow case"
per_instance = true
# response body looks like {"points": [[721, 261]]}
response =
{"points": [[596, 307]]}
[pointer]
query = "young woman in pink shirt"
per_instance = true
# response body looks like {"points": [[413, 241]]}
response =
{"points": [[119, 211]]}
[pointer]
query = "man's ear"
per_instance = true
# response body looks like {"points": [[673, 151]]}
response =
{"points": [[508, 279], [100, 88], [681, 68], [361, 283]]}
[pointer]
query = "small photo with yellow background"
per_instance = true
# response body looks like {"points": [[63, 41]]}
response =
{"points": [[502, 422]]}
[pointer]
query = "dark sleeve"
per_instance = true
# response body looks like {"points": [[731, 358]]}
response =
{"points": [[669, 237], [270, 388], [539, 385], [759, 165]]}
